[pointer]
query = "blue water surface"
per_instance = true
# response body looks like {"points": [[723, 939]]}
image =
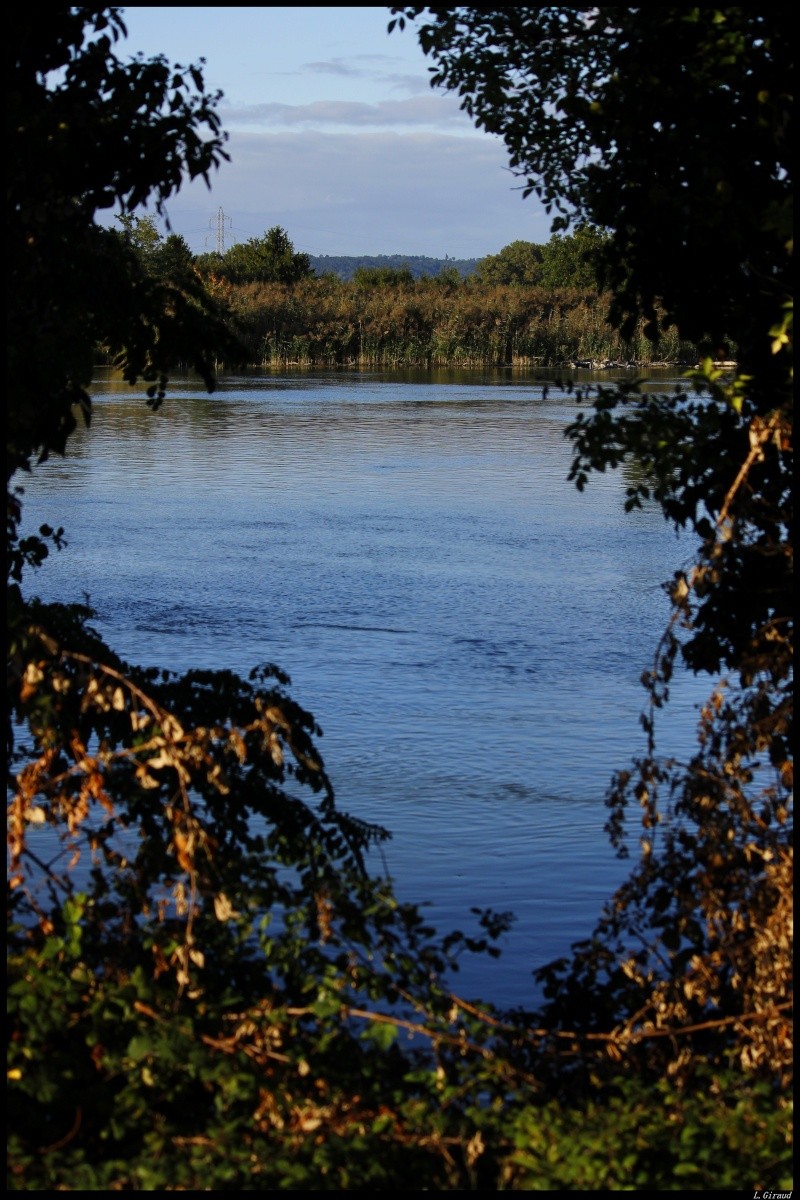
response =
{"points": [[468, 629]]}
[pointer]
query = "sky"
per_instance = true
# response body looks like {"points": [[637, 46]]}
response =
{"points": [[336, 135]]}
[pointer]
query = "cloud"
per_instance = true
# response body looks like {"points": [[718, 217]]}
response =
{"points": [[430, 111], [358, 66], [366, 193], [377, 68], [334, 66]]}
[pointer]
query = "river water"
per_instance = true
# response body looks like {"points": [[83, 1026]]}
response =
{"points": [[466, 627]]}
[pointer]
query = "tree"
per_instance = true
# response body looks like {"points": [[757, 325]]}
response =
{"points": [[166, 258], [88, 132], [141, 233], [448, 278], [570, 261], [387, 277], [638, 122], [268, 259], [669, 128], [519, 262]]}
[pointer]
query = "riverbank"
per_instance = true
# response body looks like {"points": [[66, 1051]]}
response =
{"points": [[430, 323]]}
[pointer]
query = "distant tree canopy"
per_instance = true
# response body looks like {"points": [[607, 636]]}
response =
{"points": [[517, 263], [573, 260], [163, 257], [371, 277], [565, 261], [344, 266], [268, 259]]}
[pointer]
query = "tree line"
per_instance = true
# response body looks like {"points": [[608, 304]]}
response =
{"points": [[565, 261], [344, 266], [526, 305]]}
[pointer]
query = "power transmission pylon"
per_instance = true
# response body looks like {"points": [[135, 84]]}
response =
{"points": [[221, 221]]}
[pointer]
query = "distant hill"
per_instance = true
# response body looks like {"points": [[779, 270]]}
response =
{"points": [[345, 266]]}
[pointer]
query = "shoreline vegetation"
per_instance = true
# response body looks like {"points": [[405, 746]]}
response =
{"points": [[528, 305], [328, 322], [432, 323]]}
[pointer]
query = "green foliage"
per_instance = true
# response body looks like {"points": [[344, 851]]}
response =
{"points": [[371, 277], [167, 259], [142, 234], [519, 262], [344, 266], [441, 321], [572, 261], [655, 1137], [230, 981], [268, 259]]}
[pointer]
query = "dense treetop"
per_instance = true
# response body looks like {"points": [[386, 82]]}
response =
{"points": [[670, 127]]}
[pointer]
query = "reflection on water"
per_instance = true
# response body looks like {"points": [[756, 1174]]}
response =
{"points": [[468, 629]]}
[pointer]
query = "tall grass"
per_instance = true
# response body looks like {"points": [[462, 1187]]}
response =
{"points": [[425, 322]]}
